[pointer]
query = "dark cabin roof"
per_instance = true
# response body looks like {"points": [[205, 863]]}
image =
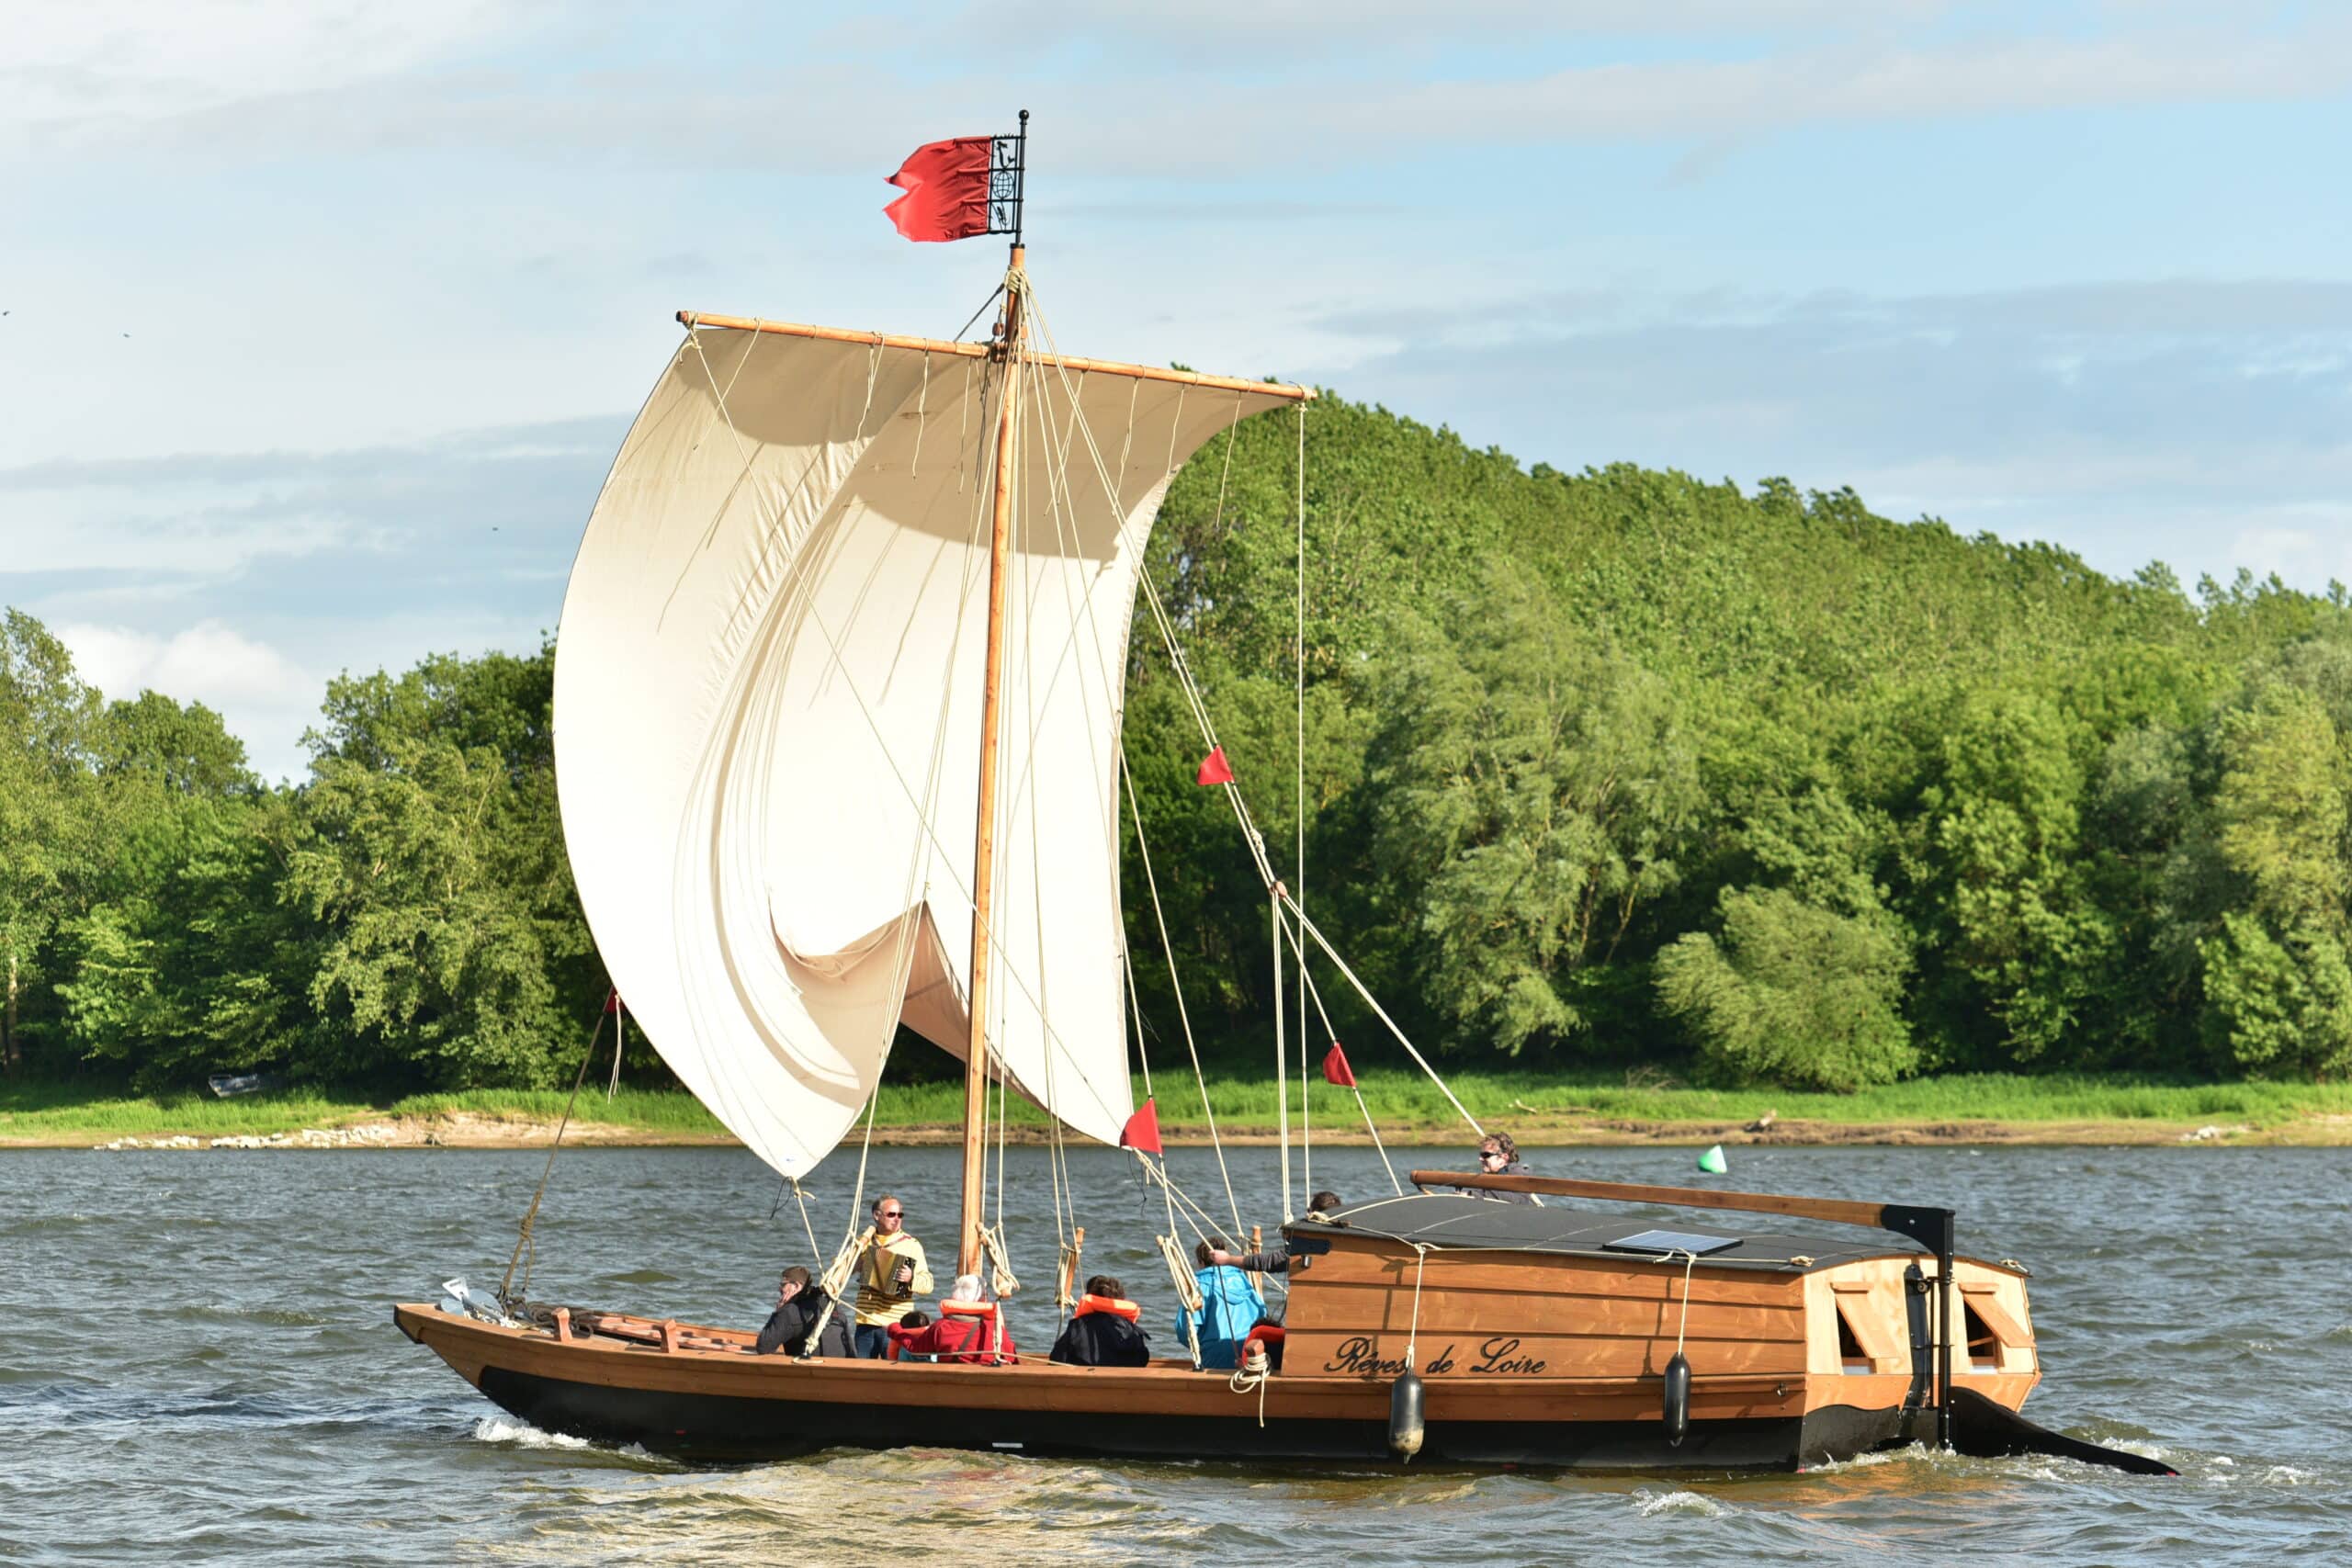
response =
{"points": [[1451, 1221]]}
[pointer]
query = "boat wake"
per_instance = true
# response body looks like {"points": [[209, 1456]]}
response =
{"points": [[522, 1435]]}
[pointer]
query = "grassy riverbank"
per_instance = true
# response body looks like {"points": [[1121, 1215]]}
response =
{"points": [[1538, 1107]]}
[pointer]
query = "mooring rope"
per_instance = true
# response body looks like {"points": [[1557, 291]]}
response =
{"points": [[1413, 1330], [1685, 1323]]}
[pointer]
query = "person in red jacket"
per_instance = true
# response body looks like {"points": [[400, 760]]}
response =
{"points": [[969, 1330]]}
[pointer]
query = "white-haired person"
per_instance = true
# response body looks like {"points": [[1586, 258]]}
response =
{"points": [[971, 1330]]}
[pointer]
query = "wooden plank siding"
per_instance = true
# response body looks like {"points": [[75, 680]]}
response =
{"points": [[1494, 1316], [1871, 1293], [1160, 1389]]}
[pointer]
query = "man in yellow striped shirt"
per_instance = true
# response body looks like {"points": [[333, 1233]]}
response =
{"points": [[889, 1277]]}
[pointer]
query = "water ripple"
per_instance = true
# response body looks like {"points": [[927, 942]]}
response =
{"points": [[206, 1345]]}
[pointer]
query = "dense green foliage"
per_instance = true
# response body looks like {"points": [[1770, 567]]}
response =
{"points": [[1601, 769], [1611, 767]]}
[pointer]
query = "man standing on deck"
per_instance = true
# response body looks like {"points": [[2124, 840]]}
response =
{"points": [[889, 1277]]}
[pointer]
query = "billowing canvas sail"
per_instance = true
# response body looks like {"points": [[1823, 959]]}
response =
{"points": [[767, 710]]}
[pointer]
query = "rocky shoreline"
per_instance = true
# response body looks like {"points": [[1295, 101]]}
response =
{"points": [[466, 1131], [376, 1136]]}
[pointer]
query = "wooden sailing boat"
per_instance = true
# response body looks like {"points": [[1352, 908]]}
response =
{"points": [[828, 569]]}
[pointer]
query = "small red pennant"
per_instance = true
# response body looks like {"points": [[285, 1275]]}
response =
{"points": [[1215, 769], [1142, 1131], [1336, 1070], [612, 1000]]}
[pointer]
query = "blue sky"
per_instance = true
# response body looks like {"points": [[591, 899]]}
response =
{"points": [[324, 321]]}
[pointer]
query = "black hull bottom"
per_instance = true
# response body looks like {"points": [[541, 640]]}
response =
{"points": [[722, 1426]]}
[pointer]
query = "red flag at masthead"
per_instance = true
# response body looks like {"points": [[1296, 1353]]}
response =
{"points": [[1336, 1070], [1142, 1131], [947, 190], [1215, 769]]}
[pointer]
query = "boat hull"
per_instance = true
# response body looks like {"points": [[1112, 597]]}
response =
{"points": [[726, 1405]]}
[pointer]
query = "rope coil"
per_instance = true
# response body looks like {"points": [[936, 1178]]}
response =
{"points": [[1252, 1373], [1001, 1276]]}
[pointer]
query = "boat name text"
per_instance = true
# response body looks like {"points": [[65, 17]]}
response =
{"points": [[1498, 1357]]}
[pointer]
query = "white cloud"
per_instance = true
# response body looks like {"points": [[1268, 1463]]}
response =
{"points": [[1319, 85], [89, 64], [209, 662], [264, 698], [2302, 544]]}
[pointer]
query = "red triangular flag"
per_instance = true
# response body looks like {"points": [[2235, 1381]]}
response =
{"points": [[947, 190], [1336, 1070], [612, 1000], [1142, 1131], [1215, 769]]}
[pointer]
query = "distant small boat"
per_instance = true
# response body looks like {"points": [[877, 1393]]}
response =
{"points": [[228, 1086]]}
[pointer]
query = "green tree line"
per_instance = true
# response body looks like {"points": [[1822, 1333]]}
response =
{"points": [[1613, 767]]}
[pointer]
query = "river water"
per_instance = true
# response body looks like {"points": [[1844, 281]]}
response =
{"points": [[197, 1362]]}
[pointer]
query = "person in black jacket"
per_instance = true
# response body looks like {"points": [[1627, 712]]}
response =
{"points": [[799, 1306], [1103, 1332], [1275, 1258], [1498, 1155]]}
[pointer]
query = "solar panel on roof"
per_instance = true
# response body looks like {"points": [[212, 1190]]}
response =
{"points": [[1670, 1241]]}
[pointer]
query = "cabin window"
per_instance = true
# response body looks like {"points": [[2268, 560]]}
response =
{"points": [[1983, 1344], [1851, 1357]]}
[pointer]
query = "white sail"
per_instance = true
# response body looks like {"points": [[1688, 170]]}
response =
{"points": [[767, 711]]}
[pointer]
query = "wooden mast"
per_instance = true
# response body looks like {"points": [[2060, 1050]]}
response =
{"points": [[1007, 353]]}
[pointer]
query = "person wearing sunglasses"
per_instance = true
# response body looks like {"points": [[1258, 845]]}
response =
{"points": [[892, 1274], [1497, 1155]]}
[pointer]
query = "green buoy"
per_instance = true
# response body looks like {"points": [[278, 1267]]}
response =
{"points": [[1713, 1163]]}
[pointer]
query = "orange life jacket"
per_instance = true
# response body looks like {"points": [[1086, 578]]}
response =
{"points": [[1118, 1306]]}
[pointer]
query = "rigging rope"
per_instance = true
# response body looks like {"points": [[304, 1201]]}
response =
{"points": [[1382, 1013], [922, 416], [1182, 1014], [1189, 690], [1001, 1276], [1188, 1292], [1316, 992], [1065, 1192], [527, 1247], [1061, 503], [1062, 506], [1281, 1052], [808, 1228], [1298, 869], [834, 1280]]}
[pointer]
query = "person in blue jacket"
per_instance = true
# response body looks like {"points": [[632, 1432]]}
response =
{"points": [[1230, 1307]]}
